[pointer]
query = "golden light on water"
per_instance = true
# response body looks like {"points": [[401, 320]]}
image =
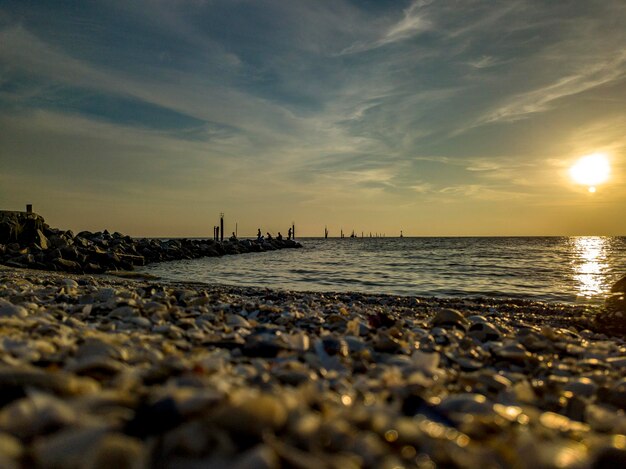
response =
{"points": [[591, 170], [590, 264]]}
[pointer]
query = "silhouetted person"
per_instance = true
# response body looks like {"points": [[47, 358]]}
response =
{"points": [[269, 236], [233, 237], [279, 237], [289, 234], [259, 236]]}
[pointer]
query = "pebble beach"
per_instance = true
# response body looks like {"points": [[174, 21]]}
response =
{"points": [[98, 371]]}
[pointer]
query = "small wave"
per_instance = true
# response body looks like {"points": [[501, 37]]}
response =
{"points": [[549, 269]]}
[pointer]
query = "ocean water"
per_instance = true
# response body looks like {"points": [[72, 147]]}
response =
{"points": [[556, 269]]}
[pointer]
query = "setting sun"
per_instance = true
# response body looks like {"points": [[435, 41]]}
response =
{"points": [[591, 170]]}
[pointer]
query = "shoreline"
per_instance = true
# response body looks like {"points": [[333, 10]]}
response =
{"points": [[100, 370]]}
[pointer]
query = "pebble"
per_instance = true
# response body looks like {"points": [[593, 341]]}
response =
{"points": [[8, 310], [450, 318]]}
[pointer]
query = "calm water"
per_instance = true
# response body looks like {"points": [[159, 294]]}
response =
{"points": [[567, 269]]}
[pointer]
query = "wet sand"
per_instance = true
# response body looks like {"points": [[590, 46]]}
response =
{"points": [[98, 371]]}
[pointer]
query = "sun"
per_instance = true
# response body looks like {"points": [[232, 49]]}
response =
{"points": [[591, 170]]}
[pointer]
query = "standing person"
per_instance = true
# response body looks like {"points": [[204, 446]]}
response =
{"points": [[289, 234], [259, 236]]}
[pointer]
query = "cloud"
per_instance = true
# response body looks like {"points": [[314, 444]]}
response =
{"points": [[422, 187], [178, 91], [588, 77], [485, 61], [479, 192], [412, 23]]}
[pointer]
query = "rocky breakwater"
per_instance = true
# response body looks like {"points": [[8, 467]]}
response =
{"points": [[27, 241], [97, 372]]}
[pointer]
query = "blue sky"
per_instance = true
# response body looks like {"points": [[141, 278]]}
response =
{"points": [[435, 117]]}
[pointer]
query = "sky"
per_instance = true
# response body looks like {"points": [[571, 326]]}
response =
{"points": [[437, 118]]}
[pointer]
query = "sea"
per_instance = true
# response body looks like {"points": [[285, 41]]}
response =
{"points": [[573, 270]]}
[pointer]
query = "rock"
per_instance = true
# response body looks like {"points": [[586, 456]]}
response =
{"points": [[612, 320], [31, 416], [333, 346], [20, 227], [450, 318], [41, 240], [609, 458], [152, 419], [263, 345], [67, 265], [16, 380], [484, 332], [619, 286], [117, 451], [298, 342], [68, 448], [513, 352], [96, 367], [236, 320], [259, 457], [474, 404], [252, 414], [581, 387], [10, 448], [8, 309]]}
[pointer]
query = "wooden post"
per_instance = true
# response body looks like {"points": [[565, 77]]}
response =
{"points": [[222, 227], [293, 231]]}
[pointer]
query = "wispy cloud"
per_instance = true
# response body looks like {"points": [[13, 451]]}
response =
{"points": [[479, 192], [588, 77], [412, 23], [484, 61]]}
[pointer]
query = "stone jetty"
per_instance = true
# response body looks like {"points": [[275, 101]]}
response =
{"points": [[98, 372], [27, 241]]}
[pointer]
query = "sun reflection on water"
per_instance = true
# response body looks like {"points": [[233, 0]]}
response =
{"points": [[590, 265]]}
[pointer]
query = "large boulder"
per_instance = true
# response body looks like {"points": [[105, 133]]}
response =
{"points": [[21, 227], [612, 320], [619, 286]]}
